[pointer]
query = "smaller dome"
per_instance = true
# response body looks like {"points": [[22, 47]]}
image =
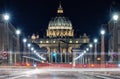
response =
{"points": [[60, 23], [33, 37]]}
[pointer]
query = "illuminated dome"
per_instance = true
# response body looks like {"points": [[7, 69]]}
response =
{"points": [[60, 25]]}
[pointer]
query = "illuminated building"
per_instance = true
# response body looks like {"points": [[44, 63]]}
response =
{"points": [[60, 39], [8, 40], [114, 40]]}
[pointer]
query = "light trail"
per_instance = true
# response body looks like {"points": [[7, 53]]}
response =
{"points": [[31, 58], [65, 69]]}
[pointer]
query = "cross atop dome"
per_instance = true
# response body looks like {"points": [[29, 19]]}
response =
{"points": [[60, 9]]}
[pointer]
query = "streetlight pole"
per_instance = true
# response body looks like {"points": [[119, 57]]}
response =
{"points": [[102, 47], [87, 49], [95, 50], [115, 36], [24, 41], [74, 63], [29, 45], [90, 60], [18, 32], [32, 49], [83, 58], [6, 18]]}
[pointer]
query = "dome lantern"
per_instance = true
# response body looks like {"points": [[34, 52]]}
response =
{"points": [[60, 9]]}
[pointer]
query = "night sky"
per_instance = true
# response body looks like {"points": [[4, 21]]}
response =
{"points": [[33, 16]]}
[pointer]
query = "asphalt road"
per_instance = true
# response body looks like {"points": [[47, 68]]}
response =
{"points": [[43, 74], [50, 75]]}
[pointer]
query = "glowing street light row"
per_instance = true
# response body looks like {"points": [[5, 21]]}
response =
{"points": [[6, 17], [115, 17]]}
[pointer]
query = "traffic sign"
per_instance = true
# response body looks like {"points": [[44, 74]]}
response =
{"points": [[4, 55]]}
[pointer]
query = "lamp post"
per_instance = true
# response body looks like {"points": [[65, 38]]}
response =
{"points": [[24, 48], [18, 32], [115, 36], [95, 50], [6, 18], [87, 49], [83, 57], [32, 49], [35, 53], [29, 45], [90, 60], [115, 17], [102, 46]]}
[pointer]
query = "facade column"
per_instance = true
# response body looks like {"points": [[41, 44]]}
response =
{"points": [[65, 57], [83, 59], [49, 56], [68, 56], [61, 57]]}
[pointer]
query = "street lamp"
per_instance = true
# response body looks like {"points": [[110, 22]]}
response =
{"points": [[87, 49], [84, 51], [95, 40], [86, 57], [83, 57], [90, 45], [102, 46], [6, 18], [102, 32], [115, 17], [32, 49], [24, 41], [28, 45], [95, 49], [18, 32], [115, 36]]}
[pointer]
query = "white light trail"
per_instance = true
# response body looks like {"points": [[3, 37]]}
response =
{"points": [[80, 55], [32, 58], [40, 56]]}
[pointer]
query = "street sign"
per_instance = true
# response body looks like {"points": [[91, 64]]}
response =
{"points": [[4, 55]]}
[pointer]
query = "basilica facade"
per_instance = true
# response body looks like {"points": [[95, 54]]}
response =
{"points": [[60, 40]]}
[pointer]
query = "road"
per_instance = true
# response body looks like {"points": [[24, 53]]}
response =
{"points": [[49, 75], [38, 73]]}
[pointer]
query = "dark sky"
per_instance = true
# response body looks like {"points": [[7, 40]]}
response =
{"points": [[33, 16]]}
